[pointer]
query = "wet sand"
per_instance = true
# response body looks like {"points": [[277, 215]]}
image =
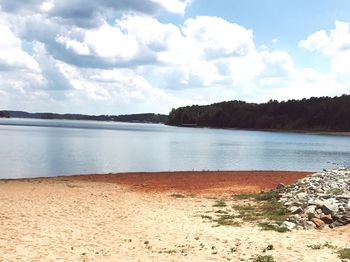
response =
{"points": [[201, 182], [101, 218]]}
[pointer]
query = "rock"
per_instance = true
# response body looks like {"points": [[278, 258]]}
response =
{"points": [[310, 209], [280, 186], [327, 219], [294, 218], [295, 210], [343, 221], [318, 222], [330, 208], [314, 202], [288, 225], [308, 225], [301, 196]]}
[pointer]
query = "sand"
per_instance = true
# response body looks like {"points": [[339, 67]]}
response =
{"points": [[69, 219], [211, 182]]}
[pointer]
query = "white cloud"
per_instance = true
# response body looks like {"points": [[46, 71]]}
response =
{"points": [[174, 6], [335, 45], [11, 54], [132, 62]]}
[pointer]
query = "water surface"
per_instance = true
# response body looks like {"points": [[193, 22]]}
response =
{"points": [[32, 148]]}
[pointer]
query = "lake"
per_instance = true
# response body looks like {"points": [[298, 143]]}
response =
{"points": [[32, 148]]}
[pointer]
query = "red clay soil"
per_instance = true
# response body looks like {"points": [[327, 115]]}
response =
{"points": [[222, 182]]}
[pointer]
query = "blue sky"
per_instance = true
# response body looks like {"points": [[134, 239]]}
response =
{"points": [[286, 21], [127, 56]]}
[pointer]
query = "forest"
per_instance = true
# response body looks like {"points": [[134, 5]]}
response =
{"points": [[138, 118], [314, 114]]}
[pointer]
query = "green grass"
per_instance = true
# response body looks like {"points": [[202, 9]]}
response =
{"points": [[264, 196], [268, 208], [220, 203], [268, 226], [266, 258], [244, 196], [206, 217], [267, 196], [226, 220], [178, 195], [265, 208], [344, 253], [247, 212], [335, 191], [221, 212]]}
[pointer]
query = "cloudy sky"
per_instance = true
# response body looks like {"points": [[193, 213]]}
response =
{"points": [[132, 56]]}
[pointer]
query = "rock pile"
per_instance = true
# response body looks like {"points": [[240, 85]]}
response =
{"points": [[319, 200]]}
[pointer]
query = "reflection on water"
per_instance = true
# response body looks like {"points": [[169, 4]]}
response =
{"points": [[30, 148]]}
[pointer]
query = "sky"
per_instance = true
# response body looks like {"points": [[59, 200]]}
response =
{"points": [[130, 56]]}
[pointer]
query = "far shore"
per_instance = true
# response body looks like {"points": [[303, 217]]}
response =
{"points": [[302, 131]]}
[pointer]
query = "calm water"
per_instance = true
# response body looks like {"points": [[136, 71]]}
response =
{"points": [[30, 148]]}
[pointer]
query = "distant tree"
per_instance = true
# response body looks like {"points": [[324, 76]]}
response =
{"points": [[4, 114], [323, 113]]}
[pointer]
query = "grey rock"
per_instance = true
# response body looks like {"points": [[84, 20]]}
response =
{"points": [[288, 225], [308, 225], [295, 210]]}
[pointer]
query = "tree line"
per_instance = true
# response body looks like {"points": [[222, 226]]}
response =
{"points": [[4, 114], [323, 114], [137, 118]]}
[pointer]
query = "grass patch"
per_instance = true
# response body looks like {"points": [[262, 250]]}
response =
{"points": [[245, 208], [221, 212], [247, 212], [268, 226], [227, 220], [274, 211], [178, 195], [266, 258], [265, 208], [344, 253], [244, 196], [172, 251], [267, 196], [335, 191], [206, 217], [264, 196], [220, 203]]}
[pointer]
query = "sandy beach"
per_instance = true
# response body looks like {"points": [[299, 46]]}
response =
{"points": [[147, 217]]}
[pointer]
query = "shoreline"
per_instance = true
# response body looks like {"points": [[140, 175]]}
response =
{"points": [[297, 131], [196, 182], [94, 218], [301, 131]]}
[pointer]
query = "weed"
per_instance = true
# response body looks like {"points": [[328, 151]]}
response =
{"points": [[206, 217], [176, 195], [344, 253], [220, 203], [268, 248], [226, 220], [273, 227], [233, 249], [261, 258], [221, 212], [267, 196], [335, 191], [172, 251], [315, 246], [244, 196]]}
